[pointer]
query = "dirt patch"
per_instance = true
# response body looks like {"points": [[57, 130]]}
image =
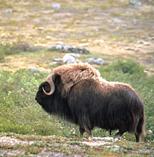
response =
{"points": [[40, 146], [11, 141]]}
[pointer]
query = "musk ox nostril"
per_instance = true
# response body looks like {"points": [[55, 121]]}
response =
{"points": [[36, 98]]}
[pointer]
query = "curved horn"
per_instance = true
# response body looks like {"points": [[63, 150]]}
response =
{"points": [[51, 84]]}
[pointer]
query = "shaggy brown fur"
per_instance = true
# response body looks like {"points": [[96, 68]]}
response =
{"points": [[108, 86], [73, 73], [89, 104]]}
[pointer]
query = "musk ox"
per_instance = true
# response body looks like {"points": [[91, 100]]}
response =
{"points": [[90, 101]]}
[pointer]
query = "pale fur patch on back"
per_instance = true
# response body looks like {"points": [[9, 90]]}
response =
{"points": [[74, 73], [109, 86]]}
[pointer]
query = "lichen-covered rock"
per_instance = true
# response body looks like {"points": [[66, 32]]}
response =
{"points": [[69, 59], [69, 49], [135, 2], [56, 6], [94, 60]]}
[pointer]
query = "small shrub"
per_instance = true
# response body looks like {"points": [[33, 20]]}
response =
{"points": [[10, 49], [4, 50], [126, 66]]}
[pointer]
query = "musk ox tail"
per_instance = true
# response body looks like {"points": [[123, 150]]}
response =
{"points": [[138, 118], [140, 130]]}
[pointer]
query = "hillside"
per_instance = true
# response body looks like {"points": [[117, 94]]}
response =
{"points": [[107, 28]]}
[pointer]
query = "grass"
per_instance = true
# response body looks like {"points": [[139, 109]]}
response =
{"points": [[19, 113], [4, 50], [15, 48], [82, 15]]}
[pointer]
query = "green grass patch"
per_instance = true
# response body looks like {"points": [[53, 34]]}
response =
{"points": [[4, 5], [126, 67], [15, 48], [4, 50], [19, 113]]}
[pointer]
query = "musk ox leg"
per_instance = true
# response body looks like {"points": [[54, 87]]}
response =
{"points": [[88, 131], [85, 125], [81, 131], [110, 132], [85, 129], [138, 137], [139, 133], [120, 133]]}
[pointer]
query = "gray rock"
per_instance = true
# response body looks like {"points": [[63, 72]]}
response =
{"points": [[54, 154], [142, 42], [152, 38], [93, 60], [57, 60], [74, 55], [105, 139], [78, 50], [11, 153], [69, 59], [115, 148], [50, 154], [117, 20], [68, 49], [58, 47], [56, 6], [135, 2], [34, 70], [150, 132], [7, 11]]}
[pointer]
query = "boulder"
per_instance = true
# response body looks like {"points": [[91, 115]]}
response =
{"points": [[94, 60], [69, 49], [69, 59]]}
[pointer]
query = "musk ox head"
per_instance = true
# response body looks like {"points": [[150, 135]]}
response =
{"points": [[53, 92], [47, 92]]}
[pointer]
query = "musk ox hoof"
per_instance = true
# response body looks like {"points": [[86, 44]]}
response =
{"points": [[117, 137], [90, 139]]}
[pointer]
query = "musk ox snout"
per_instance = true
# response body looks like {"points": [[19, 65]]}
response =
{"points": [[42, 92]]}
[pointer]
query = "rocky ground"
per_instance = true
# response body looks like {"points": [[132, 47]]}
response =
{"points": [[53, 146]]}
